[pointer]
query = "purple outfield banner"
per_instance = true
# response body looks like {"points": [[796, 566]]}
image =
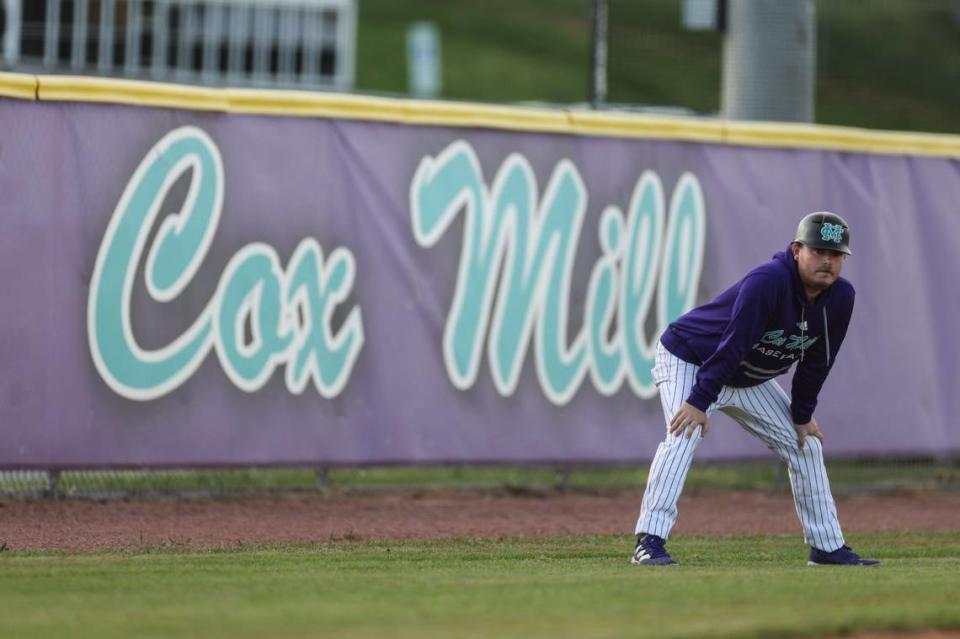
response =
{"points": [[196, 289]]}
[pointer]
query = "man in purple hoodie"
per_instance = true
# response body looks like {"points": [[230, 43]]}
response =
{"points": [[725, 355]]}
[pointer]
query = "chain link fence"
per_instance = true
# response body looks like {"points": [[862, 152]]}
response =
{"points": [[847, 477]]}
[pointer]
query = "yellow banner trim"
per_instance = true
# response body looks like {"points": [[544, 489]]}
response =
{"points": [[472, 115], [18, 85]]}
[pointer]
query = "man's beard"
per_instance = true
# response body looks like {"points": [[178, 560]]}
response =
{"points": [[818, 285]]}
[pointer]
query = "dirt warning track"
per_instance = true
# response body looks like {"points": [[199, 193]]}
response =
{"points": [[297, 518]]}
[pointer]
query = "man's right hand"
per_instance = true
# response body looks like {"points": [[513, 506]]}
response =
{"points": [[687, 419]]}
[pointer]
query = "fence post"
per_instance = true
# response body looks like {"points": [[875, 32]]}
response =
{"points": [[780, 478], [53, 485], [323, 479], [563, 479]]}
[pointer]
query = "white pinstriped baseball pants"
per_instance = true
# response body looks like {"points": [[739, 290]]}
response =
{"points": [[762, 410]]}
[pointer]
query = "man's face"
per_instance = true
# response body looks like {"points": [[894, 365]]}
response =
{"points": [[819, 268]]}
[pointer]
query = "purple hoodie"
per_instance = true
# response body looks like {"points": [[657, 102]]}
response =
{"points": [[757, 328]]}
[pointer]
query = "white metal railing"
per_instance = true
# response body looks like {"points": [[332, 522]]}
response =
{"points": [[269, 43]]}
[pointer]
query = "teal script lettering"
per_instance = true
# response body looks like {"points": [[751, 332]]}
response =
{"points": [[516, 265], [288, 310]]}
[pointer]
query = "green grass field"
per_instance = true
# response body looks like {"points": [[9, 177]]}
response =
{"points": [[889, 64], [569, 587]]}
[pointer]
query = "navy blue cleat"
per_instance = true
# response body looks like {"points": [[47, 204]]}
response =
{"points": [[650, 552], [842, 556]]}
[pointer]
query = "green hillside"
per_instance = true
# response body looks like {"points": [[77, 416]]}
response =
{"points": [[889, 64]]}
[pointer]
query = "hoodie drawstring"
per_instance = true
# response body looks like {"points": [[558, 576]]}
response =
{"points": [[803, 330], [826, 334]]}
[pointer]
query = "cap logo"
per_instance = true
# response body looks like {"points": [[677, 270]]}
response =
{"points": [[831, 232]]}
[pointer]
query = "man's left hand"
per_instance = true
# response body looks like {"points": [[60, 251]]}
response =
{"points": [[810, 429]]}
